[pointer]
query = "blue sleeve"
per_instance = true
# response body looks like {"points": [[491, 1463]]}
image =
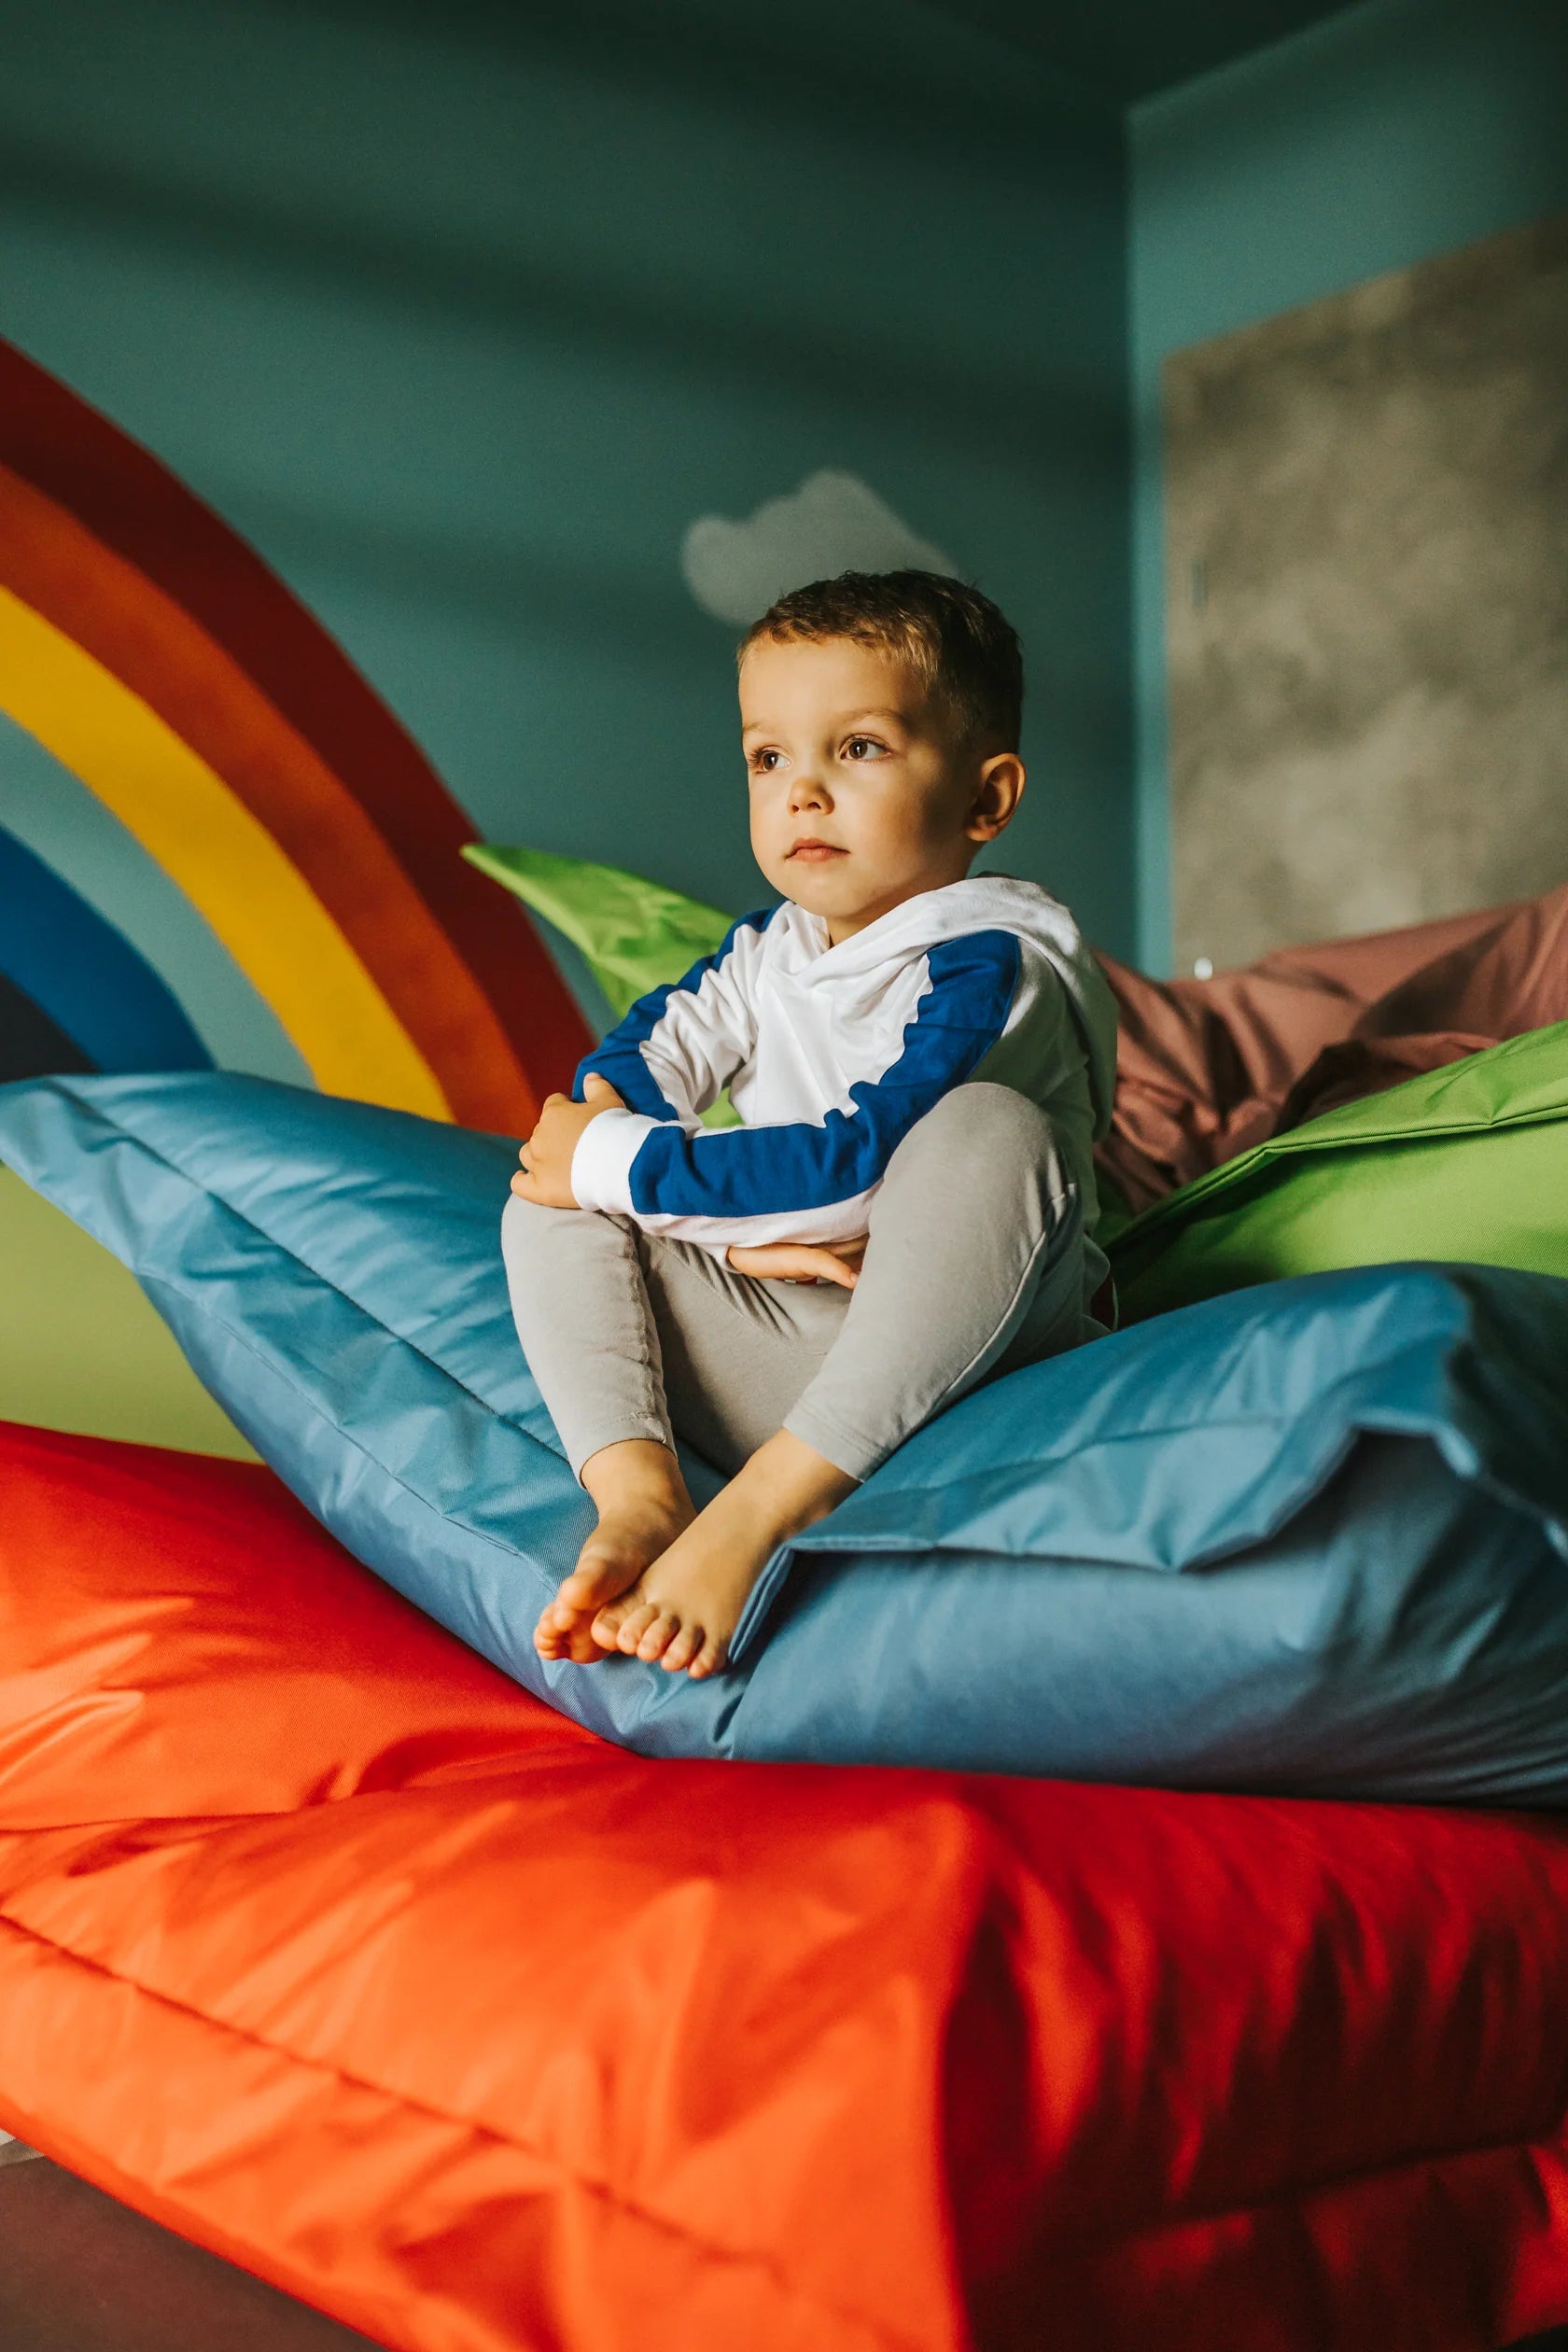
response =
{"points": [[713, 1036], [762, 1171]]}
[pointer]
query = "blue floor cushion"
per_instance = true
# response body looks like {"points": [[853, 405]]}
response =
{"points": [[1309, 1536]]}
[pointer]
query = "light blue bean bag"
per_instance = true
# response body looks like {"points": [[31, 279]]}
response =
{"points": [[1305, 1537]]}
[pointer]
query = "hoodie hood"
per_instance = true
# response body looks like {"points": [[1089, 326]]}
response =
{"points": [[982, 902]]}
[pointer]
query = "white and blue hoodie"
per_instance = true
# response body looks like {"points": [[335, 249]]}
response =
{"points": [[831, 1053]]}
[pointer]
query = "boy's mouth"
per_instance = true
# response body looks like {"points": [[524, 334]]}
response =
{"points": [[817, 852]]}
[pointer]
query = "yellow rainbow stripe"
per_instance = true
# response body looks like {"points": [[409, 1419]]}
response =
{"points": [[187, 818]]}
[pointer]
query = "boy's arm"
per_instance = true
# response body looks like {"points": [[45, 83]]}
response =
{"points": [[806, 1181], [679, 1047], [661, 1066]]}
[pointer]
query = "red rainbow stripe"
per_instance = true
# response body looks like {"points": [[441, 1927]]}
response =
{"points": [[99, 541]]}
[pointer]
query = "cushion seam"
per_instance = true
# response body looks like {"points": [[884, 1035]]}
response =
{"points": [[603, 2191], [1302, 2193], [1013, 1470], [350, 1437]]}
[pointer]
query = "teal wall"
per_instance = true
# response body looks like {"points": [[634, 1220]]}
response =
{"points": [[462, 314], [1392, 132]]}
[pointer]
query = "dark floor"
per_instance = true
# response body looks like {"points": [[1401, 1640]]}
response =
{"points": [[79, 2273]]}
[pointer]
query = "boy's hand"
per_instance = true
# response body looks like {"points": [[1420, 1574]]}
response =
{"points": [[545, 1173], [801, 1261]]}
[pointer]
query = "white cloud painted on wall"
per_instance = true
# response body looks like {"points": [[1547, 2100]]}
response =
{"points": [[834, 522]]}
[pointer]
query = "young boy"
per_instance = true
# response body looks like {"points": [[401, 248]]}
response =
{"points": [[922, 1061]]}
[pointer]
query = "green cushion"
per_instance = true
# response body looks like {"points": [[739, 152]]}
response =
{"points": [[1465, 1163], [635, 934]]}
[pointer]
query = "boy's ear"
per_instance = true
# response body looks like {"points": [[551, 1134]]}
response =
{"points": [[998, 791]]}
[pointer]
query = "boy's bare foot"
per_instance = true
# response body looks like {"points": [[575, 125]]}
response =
{"points": [[685, 1606], [643, 1506]]}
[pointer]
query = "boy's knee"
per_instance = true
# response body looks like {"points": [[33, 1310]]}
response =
{"points": [[525, 1222], [981, 1117], [515, 1215], [516, 1228], [526, 1225], [1004, 1145]]}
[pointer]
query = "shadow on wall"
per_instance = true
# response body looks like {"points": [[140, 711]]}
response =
{"points": [[898, 371]]}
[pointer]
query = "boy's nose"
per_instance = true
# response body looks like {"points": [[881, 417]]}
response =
{"points": [[807, 791]]}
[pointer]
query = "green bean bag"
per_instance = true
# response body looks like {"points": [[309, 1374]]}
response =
{"points": [[1466, 1163]]}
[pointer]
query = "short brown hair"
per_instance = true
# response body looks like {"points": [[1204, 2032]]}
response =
{"points": [[964, 651]]}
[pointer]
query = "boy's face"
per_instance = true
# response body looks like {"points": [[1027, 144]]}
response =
{"points": [[861, 794]]}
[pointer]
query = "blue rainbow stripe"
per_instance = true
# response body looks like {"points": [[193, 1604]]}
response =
{"points": [[84, 976]]}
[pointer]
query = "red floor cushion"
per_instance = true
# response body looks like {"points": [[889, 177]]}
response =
{"points": [[328, 1946]]}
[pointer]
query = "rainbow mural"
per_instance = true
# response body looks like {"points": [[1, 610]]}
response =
{"points": [[155, 656]]}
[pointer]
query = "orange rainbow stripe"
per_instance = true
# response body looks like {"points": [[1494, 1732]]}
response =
{"points": [[161, 662]]}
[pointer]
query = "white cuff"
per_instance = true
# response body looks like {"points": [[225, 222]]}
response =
{"points": [[601, 1168]]}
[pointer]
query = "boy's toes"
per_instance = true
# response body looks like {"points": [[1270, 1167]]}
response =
{"points": [[611, 1623], [657, 1637], [592, 1585], [573, 1640], [708, 1659], [633, 1626], [684, 1647]]}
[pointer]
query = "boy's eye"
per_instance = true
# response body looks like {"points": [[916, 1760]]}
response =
{"points": [[863, 747], [764, 762]]}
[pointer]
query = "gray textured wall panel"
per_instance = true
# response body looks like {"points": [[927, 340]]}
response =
{"points": [[1367, 600]]}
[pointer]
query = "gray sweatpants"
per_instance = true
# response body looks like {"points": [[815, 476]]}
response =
{"points": [[977, 1263]]}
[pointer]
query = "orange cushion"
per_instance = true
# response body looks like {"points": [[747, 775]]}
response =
{"points": [[326, 1945]]}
